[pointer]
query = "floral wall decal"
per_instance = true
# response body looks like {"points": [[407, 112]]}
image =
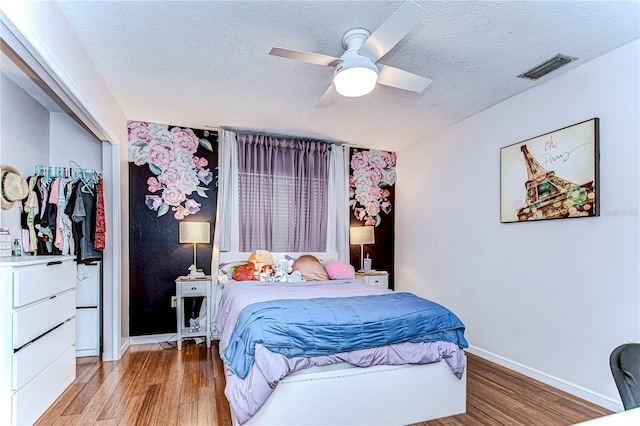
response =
{"points": [[172, 179], [178, 173], [372, 179], [373, 173]]}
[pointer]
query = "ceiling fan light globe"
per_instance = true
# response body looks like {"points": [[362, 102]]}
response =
{"points": [[355, 81]]}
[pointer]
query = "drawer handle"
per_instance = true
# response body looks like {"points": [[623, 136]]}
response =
{"points": [[55, 262], [194, 288]]}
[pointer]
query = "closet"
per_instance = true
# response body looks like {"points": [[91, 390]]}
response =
{"points": [[64, 215], [56, 108], [39, 129]]}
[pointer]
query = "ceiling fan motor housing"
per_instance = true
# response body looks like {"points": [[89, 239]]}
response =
{"points": [[355, 38]]}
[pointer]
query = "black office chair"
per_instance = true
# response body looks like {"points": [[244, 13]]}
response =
{"points": [[625, 367]]}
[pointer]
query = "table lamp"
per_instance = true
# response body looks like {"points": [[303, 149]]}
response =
{"points": [[362, 235], [194, 233]]}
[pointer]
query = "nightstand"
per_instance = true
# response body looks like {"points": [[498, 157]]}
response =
{"points": [[190, 287], [375, 279]]}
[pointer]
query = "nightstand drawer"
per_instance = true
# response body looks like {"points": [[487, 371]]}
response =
{"points": [[378, 280], [194, 288]]}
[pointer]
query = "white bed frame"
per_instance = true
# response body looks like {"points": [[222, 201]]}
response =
{"points": [[346, 395]]}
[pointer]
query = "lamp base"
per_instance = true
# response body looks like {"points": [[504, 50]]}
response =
{"points": [[194, 257]]}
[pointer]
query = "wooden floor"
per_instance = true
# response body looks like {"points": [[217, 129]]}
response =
{"points": [[157, 385]]}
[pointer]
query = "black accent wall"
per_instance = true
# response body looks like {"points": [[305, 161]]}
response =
{"points": [[156, 258], [379, 166]]}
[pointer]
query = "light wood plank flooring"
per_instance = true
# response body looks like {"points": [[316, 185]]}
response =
{"points": [[157, 385]]}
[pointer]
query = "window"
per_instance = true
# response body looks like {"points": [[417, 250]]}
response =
{"points": [[282, 193]]}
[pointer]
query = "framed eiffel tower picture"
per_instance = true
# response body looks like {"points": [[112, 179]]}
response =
{"points": [[551, 176]]}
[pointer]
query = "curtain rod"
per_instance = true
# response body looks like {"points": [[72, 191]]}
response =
{"points": [[280, 135]]}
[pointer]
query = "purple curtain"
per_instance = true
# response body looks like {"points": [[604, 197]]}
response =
{"points": [[283, 193]]}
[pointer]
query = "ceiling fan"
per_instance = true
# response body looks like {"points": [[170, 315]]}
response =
{"points": [[357, 71]]}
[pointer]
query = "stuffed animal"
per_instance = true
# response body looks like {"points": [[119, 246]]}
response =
{"points": [[267, 274], [261, 258], [282, 268], [244, 272], [295, 277]]}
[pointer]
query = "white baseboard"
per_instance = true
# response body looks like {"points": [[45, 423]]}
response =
{"points": [[571, 388], [124, 346], [153, 338]]}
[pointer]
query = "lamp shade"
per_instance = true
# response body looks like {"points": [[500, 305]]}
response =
{"points": [[195, 232], [362, 235]]}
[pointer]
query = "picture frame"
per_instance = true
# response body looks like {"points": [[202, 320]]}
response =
{"points": [[551, 176]]}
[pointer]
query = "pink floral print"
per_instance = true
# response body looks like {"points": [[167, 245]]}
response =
{"points": [[372, 172], [178, 173]]}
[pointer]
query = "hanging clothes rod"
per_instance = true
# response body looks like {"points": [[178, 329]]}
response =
{"points": [[72, 172]]}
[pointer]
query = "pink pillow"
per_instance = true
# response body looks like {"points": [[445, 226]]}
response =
{"points": [[339, 270], [310, 268]]}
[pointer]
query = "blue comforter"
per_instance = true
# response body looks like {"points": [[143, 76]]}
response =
{"points": [[321, 326]]}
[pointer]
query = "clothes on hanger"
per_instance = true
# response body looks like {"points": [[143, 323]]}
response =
{"points": [[100, 241], [60, 214]]}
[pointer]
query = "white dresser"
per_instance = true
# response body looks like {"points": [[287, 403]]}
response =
{"points": [[37, 334]]}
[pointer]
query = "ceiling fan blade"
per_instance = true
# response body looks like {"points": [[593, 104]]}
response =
{"points": [[329, 97], [299, 55], [392, 30], [400, 79]]}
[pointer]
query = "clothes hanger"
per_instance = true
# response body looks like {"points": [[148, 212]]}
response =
{"points": [[87, 186]]}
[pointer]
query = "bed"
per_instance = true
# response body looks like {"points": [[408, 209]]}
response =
{"points": [[279, 372]]}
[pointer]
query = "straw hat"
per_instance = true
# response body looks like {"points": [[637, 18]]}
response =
{"points": [[13, 188]]}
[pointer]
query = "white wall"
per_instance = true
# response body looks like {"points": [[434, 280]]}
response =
{"points": [[70, 142], [552, 298], [24, 139]]}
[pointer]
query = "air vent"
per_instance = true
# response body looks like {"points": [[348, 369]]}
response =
{"points": [[546, 67]]}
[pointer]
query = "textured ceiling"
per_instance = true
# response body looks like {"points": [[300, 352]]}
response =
{"points": [[202, 64]]}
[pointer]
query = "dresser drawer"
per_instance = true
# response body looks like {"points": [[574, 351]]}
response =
{"points": [[36, 282], [31, 360], [36, 319], [30, 402], [195, 288]]}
